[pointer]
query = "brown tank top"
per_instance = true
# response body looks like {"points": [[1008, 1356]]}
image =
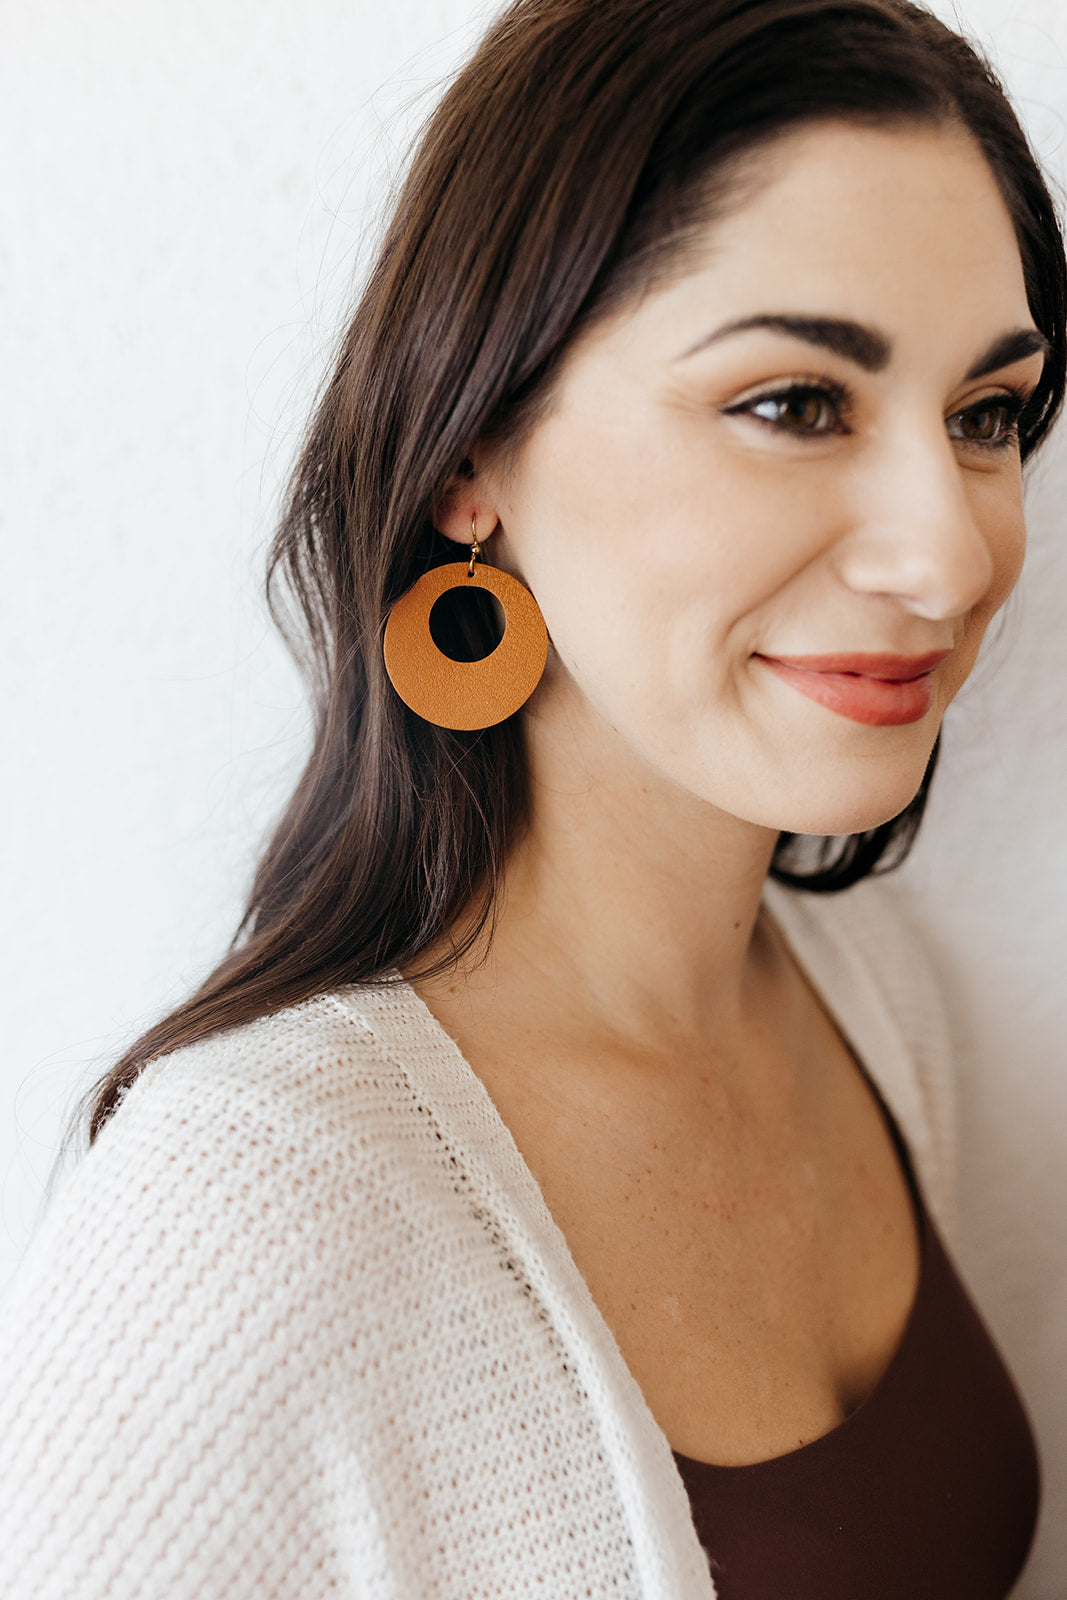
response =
{"points": [[928, 1491]]}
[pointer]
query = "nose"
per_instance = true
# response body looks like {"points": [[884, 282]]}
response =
{"points": [[916, 536]]}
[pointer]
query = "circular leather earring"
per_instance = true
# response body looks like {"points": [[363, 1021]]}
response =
{"points": [[465, 694]]}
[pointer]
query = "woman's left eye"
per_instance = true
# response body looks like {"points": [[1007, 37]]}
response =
{"points": [[992, 422]]}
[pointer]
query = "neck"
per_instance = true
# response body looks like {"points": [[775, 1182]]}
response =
{"points": [[630, 909]]}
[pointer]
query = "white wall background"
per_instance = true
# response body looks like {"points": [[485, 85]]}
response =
{"points": [[185, 195]]}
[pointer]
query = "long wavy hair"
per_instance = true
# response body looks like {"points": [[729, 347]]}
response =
{"points": [[562, 172]]}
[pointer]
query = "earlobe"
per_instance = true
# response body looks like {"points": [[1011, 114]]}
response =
{"points": [[464, 500], [455, 515]]}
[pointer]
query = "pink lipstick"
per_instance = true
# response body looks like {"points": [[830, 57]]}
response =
{"points": [[873, 687]]}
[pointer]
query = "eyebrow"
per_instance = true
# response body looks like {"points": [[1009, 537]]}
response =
{"points": [[1010, 347], [868, 347]]}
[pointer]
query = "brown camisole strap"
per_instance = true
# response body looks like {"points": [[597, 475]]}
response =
{"points": [[928, 1491]]}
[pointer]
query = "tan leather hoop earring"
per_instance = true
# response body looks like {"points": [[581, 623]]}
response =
{"points": [[465, 694]]}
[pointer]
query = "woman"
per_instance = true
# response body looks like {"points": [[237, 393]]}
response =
{"points": [[538, 1200]]}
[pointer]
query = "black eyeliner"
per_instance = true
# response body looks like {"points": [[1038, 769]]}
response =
{"points": [[1013, 402], [837, 394]]}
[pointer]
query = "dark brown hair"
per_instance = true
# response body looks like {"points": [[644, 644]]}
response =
{"points": [[563, 170]]}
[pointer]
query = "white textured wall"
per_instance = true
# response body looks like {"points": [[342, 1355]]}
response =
{"points": [[184, 194], [185, 190]]}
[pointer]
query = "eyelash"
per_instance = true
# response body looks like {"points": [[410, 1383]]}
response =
{"points": [[1009, 401]]}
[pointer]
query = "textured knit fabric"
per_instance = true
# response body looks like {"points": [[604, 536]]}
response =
{"points": [[300, 1324], [930, 1487]]}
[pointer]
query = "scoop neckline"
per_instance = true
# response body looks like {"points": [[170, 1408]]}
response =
{"points": [[775, 900], [923, 1226], [832, 1437]]}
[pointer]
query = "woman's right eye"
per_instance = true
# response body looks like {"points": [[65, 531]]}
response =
{"points": [[805, 410]]}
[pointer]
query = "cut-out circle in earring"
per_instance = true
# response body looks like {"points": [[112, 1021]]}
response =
{"points": [[465, 694]]}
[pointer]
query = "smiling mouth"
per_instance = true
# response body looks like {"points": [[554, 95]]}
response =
{"points": [[872, 687]]}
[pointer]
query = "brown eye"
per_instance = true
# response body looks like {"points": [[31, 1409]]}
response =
{"points": [[799, 410], [985, 424], [807, 411], [992, 422]]}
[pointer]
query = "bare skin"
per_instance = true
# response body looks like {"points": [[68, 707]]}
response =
{"points": [[699, 1128]]}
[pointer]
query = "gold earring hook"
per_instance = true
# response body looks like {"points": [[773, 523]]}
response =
{"points": [[476, 548]]}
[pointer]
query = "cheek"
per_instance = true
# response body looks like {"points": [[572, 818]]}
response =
{"points": [[1015, 551], [643, 583], [654, 555], [1004, 527]]}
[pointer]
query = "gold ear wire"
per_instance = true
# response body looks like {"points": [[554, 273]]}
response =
{"points": [[476, 548]]}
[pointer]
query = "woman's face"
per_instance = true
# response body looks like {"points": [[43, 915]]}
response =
{"points": [[801, 448]]}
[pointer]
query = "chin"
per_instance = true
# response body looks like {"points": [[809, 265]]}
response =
{"points": [[834, 791], [843, 814]]}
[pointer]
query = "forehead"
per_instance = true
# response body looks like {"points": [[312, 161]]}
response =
{"points": [[901, 227]]}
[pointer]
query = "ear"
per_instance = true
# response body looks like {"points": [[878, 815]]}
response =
{"points": [[465, 498]]}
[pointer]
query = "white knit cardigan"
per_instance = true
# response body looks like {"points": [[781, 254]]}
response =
{"points": [[300, 1325]]}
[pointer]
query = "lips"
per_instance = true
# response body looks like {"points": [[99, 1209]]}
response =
{"points": [[872, 687]]}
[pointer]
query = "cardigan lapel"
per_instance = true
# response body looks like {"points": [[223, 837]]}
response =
{"points": [[669, 1560]]}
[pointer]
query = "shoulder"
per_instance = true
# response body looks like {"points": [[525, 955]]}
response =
{"points": [[864, 951], [194, 1314], [209, 1149], [254, 1103], [290, 1116], [298, 1067], [301, 1267]]}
